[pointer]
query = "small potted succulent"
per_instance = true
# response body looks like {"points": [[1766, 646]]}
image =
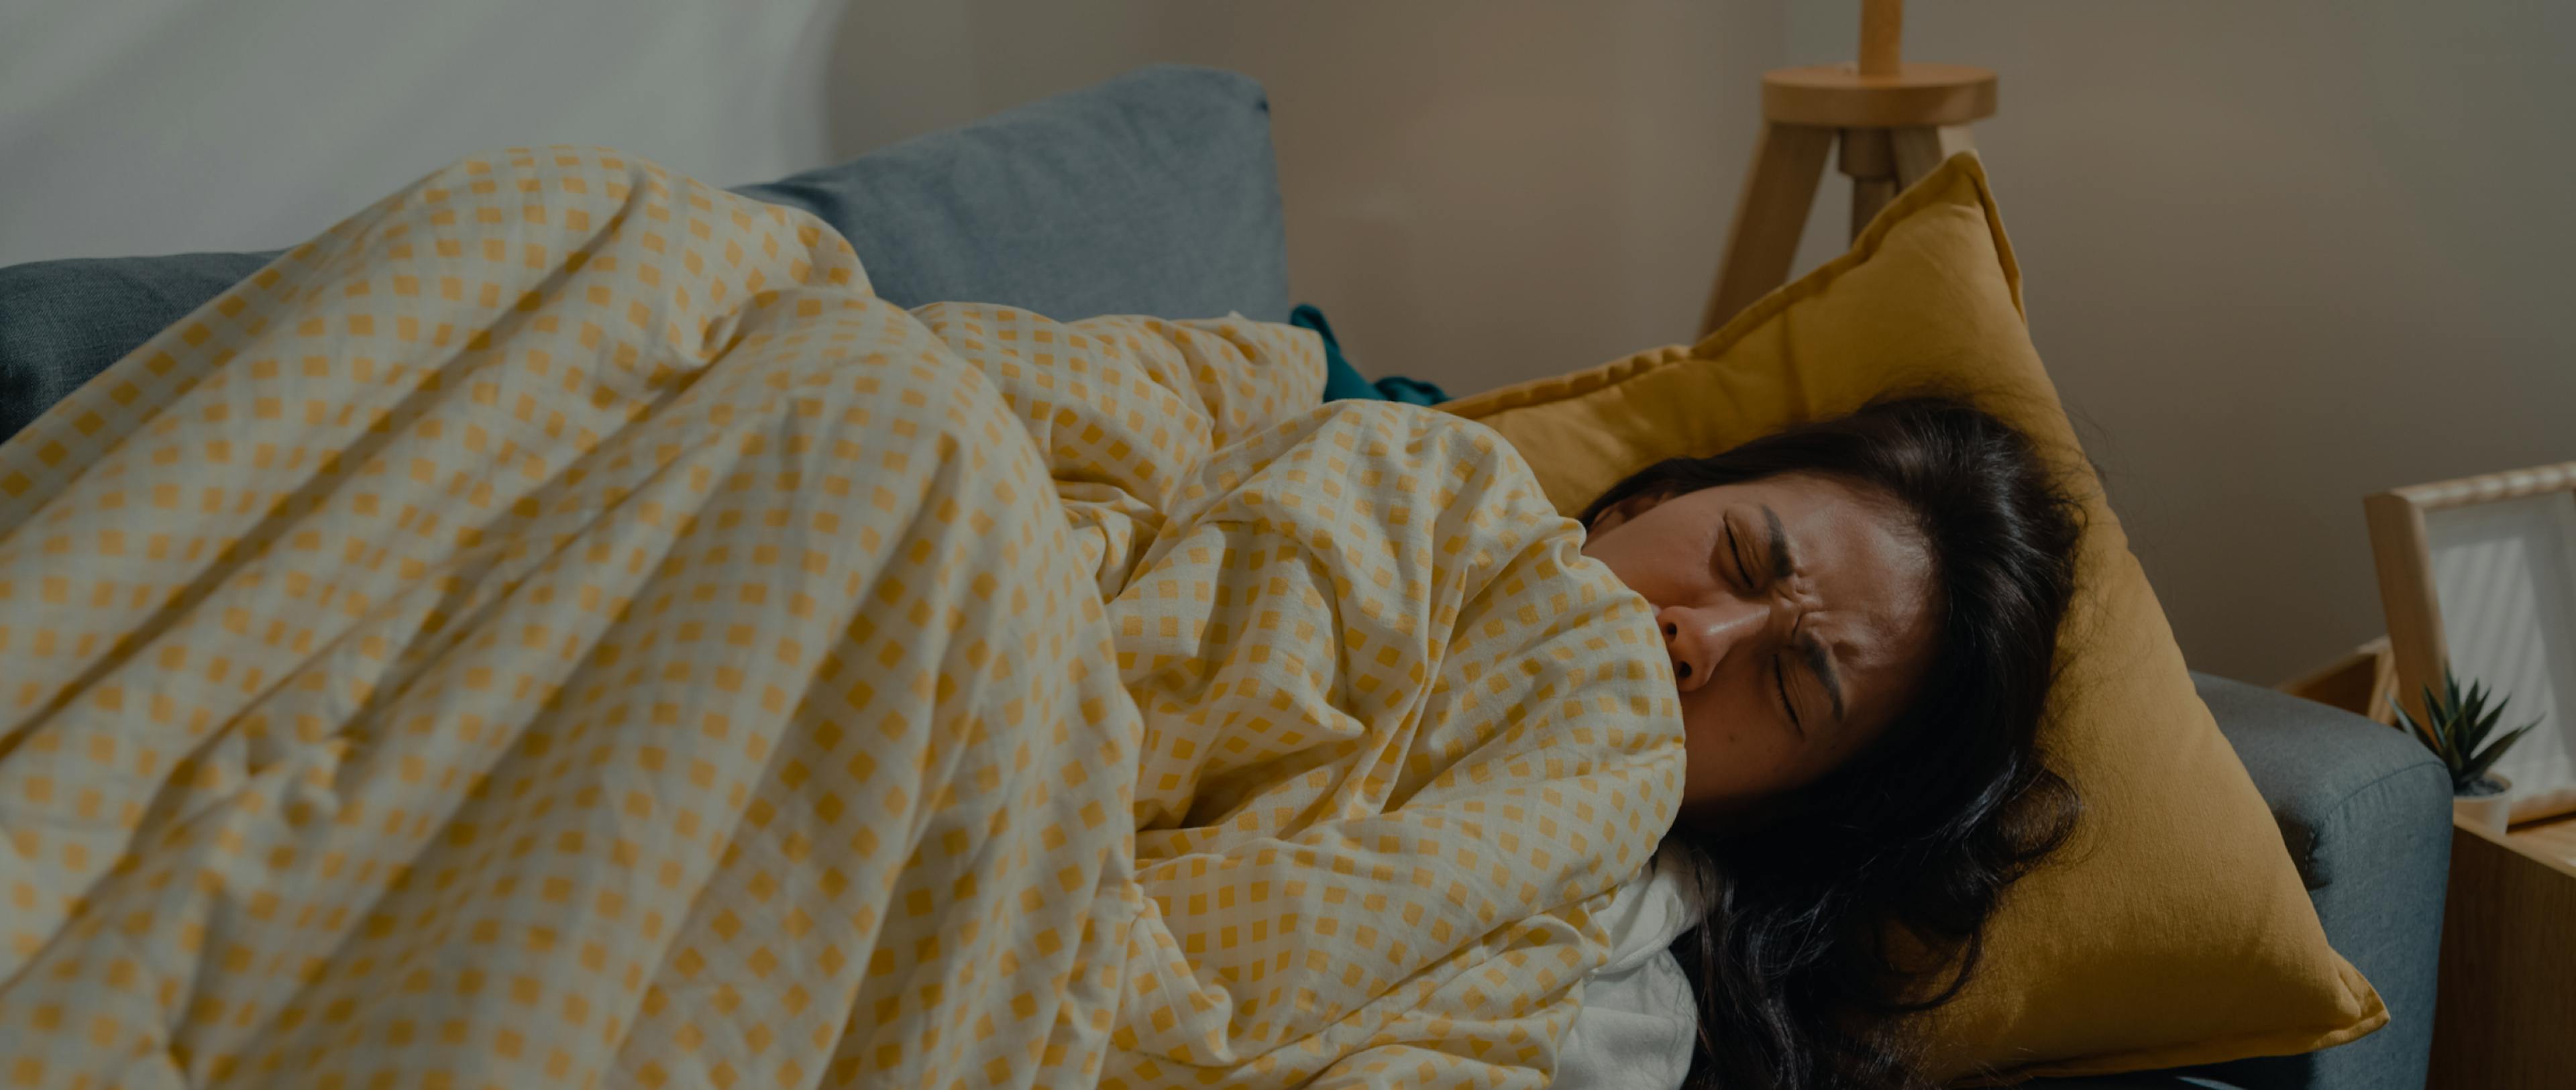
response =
{"points": [[2456, 727]]}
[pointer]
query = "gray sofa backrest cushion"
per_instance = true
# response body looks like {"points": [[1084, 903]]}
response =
{"points": [[64, 321], [1153, 193]]}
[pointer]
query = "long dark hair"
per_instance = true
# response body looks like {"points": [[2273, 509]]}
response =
{"points": [[1862, 898]]}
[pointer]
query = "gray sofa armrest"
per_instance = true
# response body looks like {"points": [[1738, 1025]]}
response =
{"points": [[2366, 814]]}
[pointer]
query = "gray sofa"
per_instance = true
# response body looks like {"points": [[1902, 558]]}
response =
{"points": [[1156, 194]]}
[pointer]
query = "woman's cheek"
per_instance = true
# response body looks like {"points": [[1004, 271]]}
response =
{"points": [[1713, 744]]}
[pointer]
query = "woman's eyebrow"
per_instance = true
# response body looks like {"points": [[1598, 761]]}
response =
{"points": [[1823, 665], [1780, 561], [1812, 649]]}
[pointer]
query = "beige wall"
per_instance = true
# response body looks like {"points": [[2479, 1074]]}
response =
{"points": [[2278, 256], [1476, 193]]}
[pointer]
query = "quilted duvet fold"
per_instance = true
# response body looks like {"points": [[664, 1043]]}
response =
{"points": [[558, 627]]}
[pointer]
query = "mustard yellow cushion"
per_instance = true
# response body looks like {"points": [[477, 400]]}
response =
{"points": [[2174, 929]]}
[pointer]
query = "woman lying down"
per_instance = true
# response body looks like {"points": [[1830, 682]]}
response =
{"points": [[559, 628]]}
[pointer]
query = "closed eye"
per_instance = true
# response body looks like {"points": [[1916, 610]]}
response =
{"points": [[1780, 684], [1735, 552]]}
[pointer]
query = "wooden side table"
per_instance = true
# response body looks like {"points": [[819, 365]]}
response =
{"points": [[2504, 1012]]}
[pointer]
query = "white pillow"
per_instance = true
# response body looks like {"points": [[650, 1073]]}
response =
{"points": [[1638, 1020]]}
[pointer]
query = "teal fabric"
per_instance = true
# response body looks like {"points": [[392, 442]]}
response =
{"points": [[1342, 378], [1411, 391], [1342, 382]]}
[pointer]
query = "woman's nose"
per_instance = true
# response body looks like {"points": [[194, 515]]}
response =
{"points": [[1699, 637]]}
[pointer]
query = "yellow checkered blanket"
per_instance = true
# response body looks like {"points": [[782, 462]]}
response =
{"points": [[560, 628]]}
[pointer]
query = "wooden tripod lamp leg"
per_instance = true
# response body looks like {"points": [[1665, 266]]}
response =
{"points": [[1769, 217], [1867, 159], [1917, 149]]}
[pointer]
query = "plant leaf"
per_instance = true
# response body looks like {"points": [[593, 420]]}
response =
{"points": [[2475, 770], [2434, 726], [2497, 711], [2507, 740], [2475, 726]]}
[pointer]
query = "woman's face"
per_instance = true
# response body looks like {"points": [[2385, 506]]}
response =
{"points": [[1797, 610]]}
